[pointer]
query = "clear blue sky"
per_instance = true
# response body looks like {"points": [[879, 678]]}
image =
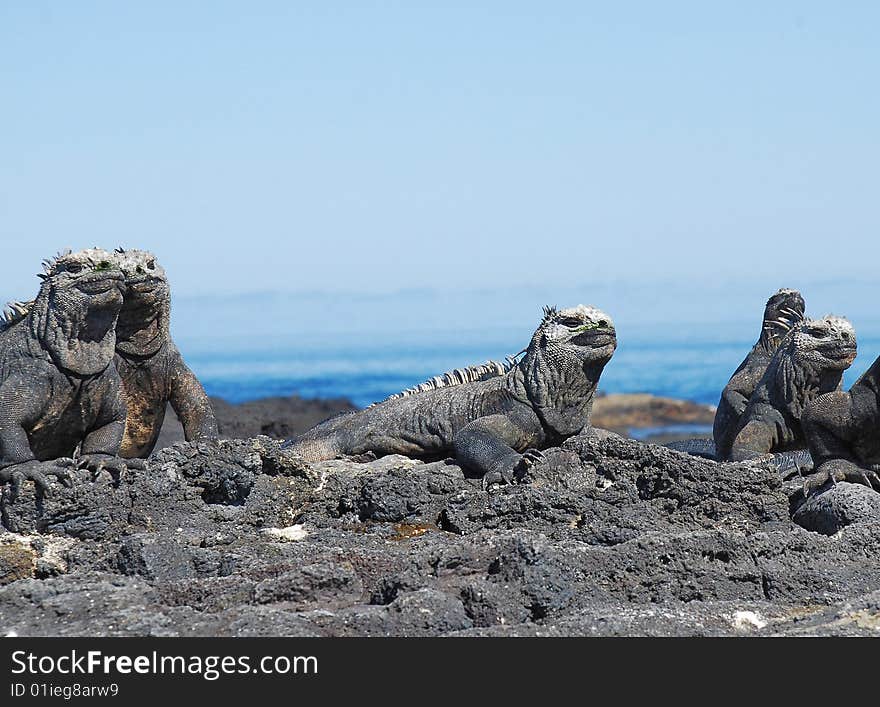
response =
{"points": [[371, 146]]}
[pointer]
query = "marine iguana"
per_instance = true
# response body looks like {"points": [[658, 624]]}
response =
{"points": [[843, 434], [58, 389], [782, 311], [809, 361], [152, 370], [494, 417]]}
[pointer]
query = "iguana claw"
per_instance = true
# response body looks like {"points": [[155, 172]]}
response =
{"points": [[529, 457], [37, 472], [532, 456], [115, 466]]}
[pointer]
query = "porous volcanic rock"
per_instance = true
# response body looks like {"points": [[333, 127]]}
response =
{"points": [[608, 537]]}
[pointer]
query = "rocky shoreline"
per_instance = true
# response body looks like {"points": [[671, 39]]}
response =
{"points": [[283, 417], [274, 417], [609, 536]]}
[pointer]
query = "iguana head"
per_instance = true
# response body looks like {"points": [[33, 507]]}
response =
{"points": [[74, 315], [811, 360], [144, 319], [782, 312], [827, 344], [584, 334], [563, 362]]}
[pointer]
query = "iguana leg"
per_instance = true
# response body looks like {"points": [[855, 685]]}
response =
{"points": [[730, 410], [832, 423], [100, 448], [191, 403], [755, 438], [488, 445], [828, 423], [22, 401]]}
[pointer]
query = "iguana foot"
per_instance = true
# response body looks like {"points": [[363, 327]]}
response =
{"points": [[35, 471], [840, 470], [529, 458], [503, 478], [113, 465], [517, 473]]}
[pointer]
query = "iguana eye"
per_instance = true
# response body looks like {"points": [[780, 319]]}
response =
{"points": [[602, 323], [570, 322], [73, 268], [151, 265]]}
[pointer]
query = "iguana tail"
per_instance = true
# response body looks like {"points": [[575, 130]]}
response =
{"points": [[320, 443], [788, 464], [695, 447], [791, 463]]}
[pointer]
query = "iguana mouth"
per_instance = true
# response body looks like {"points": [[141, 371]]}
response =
{"points": [[595, 338], [143, 283], [100, 282], [847, 355]]}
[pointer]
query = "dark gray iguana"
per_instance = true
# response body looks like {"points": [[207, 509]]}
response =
{"points": [[809, 362], [152, 370], [782, 311], [843, 434], [494, 417], [58, 389]]}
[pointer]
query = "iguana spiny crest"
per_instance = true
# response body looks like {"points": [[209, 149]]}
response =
{"points": [[784, 310], [459, 376]]}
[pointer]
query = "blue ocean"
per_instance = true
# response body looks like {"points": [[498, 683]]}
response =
{"points": [[366, 347], [689, 369]]}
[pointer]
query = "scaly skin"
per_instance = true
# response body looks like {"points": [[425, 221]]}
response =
{"points": [[152, 370], [58, 389], [782, 311], [809, 362], [494, 426], [843, 434]]}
